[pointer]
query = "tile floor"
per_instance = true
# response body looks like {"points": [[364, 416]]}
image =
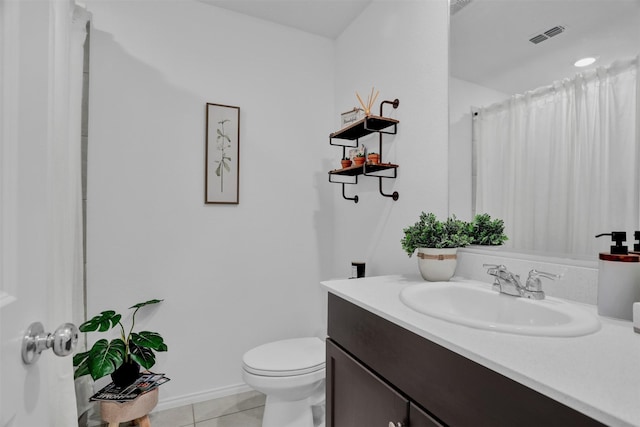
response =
{"points": [[240, 410]]}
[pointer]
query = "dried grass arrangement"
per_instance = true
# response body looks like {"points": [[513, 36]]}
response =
{"points": [[370, 101]]}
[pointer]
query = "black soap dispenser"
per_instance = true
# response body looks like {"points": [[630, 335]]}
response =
{"points": [[618, 279], [618, 237]]}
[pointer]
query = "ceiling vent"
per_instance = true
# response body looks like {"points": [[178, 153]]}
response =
{"points": [[551, 32]]}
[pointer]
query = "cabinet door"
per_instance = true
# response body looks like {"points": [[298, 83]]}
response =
{"points": [[358, 398], [419, 418]]}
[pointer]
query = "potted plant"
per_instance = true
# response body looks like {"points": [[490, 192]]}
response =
{"points": [[120, 357], [437, 243], [485, 231], [359, 159], [374, 158], [345, 162]]}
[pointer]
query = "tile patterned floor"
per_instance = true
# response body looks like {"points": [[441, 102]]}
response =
{"points": [[240, 410]]}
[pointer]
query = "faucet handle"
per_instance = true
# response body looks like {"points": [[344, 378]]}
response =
{"points": [[533, 281], [499, 267], [500, 271]]}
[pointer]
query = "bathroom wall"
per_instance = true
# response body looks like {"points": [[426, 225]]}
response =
{"points": [[401, 49], [462, 96], [234, 276]]}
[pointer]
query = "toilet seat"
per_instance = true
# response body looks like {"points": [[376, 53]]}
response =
{"points": [[286, 358]]}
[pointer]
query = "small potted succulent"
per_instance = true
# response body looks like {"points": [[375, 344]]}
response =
{"points": [[120, 357], [359, 159], [374, 158], [345, 162], [436, 243]]}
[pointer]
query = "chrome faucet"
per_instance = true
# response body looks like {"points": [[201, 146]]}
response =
{"points": [[505, 281], [508, 283], [533, 288]]}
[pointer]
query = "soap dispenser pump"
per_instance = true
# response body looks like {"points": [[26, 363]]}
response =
{"points": [[618, 279], [618, 237]]}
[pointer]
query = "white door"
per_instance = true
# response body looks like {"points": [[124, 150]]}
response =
{"points": [[30, 395]]}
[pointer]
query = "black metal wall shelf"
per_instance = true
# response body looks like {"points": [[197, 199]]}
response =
{"points": [[367, 169], [363, 127]]}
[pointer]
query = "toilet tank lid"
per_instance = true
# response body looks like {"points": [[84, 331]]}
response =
{"points": [[286, 355]]}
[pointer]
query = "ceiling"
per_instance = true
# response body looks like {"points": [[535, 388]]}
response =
{"points": [[490, 39], [327, 18]]}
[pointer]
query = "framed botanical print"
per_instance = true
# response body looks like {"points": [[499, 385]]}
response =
{"points": [[222, 153]]}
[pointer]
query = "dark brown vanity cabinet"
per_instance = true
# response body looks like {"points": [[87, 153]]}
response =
{"points": [[360, 398], [380, 373]]}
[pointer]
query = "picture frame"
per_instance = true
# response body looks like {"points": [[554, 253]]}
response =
{"points": [[222, 154]]}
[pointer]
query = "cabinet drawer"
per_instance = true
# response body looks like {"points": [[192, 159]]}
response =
{"points": [[455, 389], [356, 397], [419, 418]]}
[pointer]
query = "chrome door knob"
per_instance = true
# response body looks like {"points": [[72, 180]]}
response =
{"points": [[63, 341]]}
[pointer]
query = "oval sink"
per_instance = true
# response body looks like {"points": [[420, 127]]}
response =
{"points": [[476, 305]]}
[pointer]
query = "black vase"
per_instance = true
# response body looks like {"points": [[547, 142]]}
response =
{"points": [[126, 374]]}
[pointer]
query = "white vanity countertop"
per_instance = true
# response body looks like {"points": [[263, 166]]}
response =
{"points": [[596, 374]]}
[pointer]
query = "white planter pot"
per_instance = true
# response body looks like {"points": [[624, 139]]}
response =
{"points": [[437, 265]]}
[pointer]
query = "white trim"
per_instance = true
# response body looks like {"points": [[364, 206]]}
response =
{"points": [[566, 259], [9, 84], [202, 396]]}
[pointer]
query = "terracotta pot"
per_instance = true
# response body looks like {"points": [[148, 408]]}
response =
{"points": [[345, 163], [437, 265], [359, 161], [374, 158], [126, 374]]}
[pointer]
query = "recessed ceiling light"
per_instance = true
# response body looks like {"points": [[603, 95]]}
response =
{"points": [[584, 61]]}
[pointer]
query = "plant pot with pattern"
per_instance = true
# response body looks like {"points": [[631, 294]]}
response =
{"points": [[374, 158], [436, 243]]}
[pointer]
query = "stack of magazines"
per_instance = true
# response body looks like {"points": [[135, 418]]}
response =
{"points": [[144, 384]]}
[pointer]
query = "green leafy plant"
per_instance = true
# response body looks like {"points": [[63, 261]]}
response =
{"points": [[360, 155], [485, 231], [429, 232], [107, 356]]}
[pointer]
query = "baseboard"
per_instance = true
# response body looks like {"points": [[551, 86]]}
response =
{"points": [[203, 396]]}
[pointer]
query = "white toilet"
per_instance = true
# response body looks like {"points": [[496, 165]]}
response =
{"points": [[291, 374]]}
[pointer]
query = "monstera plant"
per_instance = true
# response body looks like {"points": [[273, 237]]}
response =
{"points": [[124, 354]]}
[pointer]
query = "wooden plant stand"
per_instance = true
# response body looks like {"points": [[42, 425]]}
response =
{"points": [[137, 410]]}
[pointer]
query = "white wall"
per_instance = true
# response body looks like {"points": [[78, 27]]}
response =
{"points": [[462, 96], [232, 276], [235, 276], [400, 47]]}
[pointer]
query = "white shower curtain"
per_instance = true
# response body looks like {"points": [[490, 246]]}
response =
{"points": [[68, 33], [560, 164]]}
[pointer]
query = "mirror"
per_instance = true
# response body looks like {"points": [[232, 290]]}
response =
{"points": [[499, 48]]}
